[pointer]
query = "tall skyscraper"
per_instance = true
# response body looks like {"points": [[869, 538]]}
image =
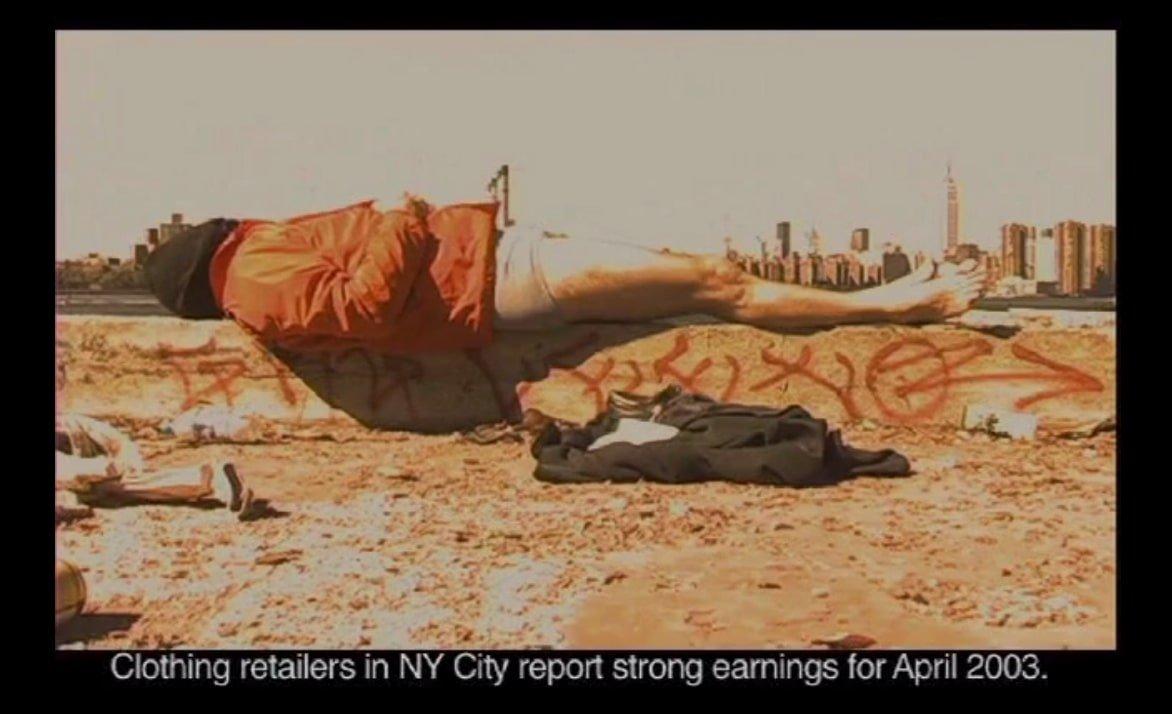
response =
{"points": [[815, 239], [1045, 265], [1102, 250], [1017, 250], [783, 239], [895, 264], [1029, 258], [1069, 238], [1086, 263], [1009, 247], [953, 236], [861, 240], [167, 231]]}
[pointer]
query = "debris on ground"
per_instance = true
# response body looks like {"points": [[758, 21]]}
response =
{"points": [[70, 509], [999, 422], [69, 590], [212, 423], [277, 557], [1088, 429], [997, 543], [845, 642]]}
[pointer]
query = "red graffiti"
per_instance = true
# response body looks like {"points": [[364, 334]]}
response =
{"points": [[636, 376], [288, 393], [915, 351], [734, 379], [1072, 379], [939, 381], [665, 365], [802, 368], [594, 382], [909, 378], [167, 351], [224, 375]]}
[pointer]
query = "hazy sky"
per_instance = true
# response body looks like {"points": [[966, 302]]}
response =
{"points": [[660, 138]]}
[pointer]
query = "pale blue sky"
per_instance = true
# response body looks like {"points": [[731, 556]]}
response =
{"points": [[659, 138]]}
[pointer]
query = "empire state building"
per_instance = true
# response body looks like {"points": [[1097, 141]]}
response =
{"points": [[953, 238]]}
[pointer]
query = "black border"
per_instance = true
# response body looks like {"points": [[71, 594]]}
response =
{"points": [[88, 671]]}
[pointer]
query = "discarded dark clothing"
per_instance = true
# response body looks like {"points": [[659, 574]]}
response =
{"points": [[716, 441], [177, 271]]}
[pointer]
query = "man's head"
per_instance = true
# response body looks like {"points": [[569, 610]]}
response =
{"points": [[178, 271]]}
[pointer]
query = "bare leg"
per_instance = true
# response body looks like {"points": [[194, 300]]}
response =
{"points": [[592, 281]]}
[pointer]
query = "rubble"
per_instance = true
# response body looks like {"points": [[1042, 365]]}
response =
{"points": [[990, 553], [845, 642], [999, 422]]}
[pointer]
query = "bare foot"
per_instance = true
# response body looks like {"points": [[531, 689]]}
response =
{"points": [[919, 297]]}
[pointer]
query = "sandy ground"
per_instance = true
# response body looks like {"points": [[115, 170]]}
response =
{"points": [[396, 540]]}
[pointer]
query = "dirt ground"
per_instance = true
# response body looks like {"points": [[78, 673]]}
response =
{"points": [[395, 540]]}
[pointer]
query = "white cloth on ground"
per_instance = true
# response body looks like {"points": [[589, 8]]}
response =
{"points": [[635, 431]]}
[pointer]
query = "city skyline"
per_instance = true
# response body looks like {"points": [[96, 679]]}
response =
{"points": [[859, 240], [657, 138], [1070, 259]]}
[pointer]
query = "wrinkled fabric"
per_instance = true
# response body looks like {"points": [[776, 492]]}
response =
{"points": [[90, 447], [96, 464], [716, 441], [177, 271], [400, 281]]}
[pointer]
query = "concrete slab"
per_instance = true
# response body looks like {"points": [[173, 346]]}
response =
{"points": [[1063, 370]]}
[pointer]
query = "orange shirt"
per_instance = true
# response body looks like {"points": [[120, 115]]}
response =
{"points": [[399, 281]]}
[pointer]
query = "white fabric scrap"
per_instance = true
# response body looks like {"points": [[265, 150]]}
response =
{"points": [[635, 431]]}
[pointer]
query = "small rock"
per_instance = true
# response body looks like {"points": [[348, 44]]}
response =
{"points": [[278, 556], [820, 592], [845, 642], [393, 470], [147, 433], [614, 577]]}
